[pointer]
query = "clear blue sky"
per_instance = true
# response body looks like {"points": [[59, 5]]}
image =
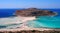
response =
{"points": [[29, 3]]}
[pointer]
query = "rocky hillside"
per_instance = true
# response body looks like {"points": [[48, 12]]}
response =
{"points": [[34, 12]]}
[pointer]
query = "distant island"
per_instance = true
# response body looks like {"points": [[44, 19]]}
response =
{"points": [[34, 12]]}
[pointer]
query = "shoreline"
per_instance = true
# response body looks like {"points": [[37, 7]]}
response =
{"points": [[39, 29]]}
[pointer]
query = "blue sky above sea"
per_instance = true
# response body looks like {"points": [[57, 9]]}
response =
{"points": [[8, 7], [29, 3]]}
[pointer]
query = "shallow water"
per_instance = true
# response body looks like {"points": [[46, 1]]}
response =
{"points": [[45, 21], [11, 22], [14, 22], [41, 21]]}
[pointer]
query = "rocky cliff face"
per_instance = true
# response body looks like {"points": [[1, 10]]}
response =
{"points": [[34, 12]]}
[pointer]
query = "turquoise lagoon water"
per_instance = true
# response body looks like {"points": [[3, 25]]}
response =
{"points": [[45, 22]]}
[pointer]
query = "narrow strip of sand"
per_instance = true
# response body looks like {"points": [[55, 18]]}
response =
{"points": [[24, 19], [25, 28]]}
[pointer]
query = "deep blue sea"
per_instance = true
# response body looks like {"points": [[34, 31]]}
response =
{"points": [[40, 21]]}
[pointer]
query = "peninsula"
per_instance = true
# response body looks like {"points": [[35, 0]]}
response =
{"points": [[34, 12]]}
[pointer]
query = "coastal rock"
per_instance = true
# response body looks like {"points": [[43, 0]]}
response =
{"points": [[34, 12]]}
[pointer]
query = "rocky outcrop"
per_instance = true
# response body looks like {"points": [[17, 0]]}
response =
{"points": [[34, 12]]}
